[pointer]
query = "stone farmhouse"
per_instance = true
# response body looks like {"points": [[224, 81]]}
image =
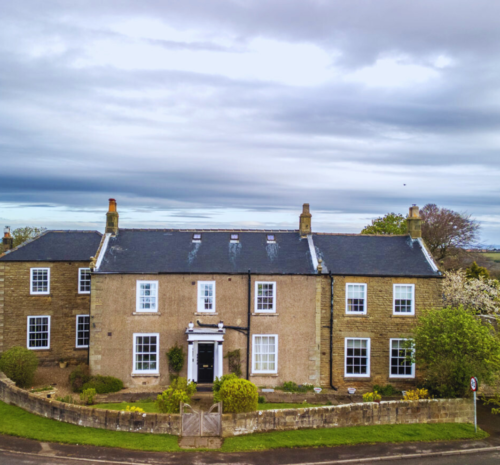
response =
{"points": [[45, 294], [331, 310], [327, 309]]}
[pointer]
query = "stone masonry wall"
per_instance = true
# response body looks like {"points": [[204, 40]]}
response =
{"points": [[112, 420], [361, 414], [379, 324], [62, 304]]}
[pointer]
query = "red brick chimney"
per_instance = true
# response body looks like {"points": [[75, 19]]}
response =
{"points": [[112, 218], [7, 241]]}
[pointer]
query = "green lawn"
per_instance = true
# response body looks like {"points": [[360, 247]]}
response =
{"points": [[17, 422], [495, 256], [350, 436]]}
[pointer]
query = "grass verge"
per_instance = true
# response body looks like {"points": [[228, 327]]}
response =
{"points": [[16, 422], [329, 437]]}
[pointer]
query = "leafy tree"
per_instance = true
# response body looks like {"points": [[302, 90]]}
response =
{"points": [[475, 272], [481, 296], [445, 232], [452, 345], [392, 223], [21, 235]]}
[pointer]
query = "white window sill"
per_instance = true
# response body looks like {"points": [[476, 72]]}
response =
{"points": [[84, 293], [45, 294], [403, 315], [206, 313], [356, 314], [81, 347], [147, 313], [145, 375], [265, 314], [401, 377], [353, 377], [38, 348]]}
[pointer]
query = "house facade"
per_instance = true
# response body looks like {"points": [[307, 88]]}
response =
{"points": [[331, 310], [45, 294]]}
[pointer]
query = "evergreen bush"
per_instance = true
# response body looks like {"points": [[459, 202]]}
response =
{"points": [[104, 384], [239, 396], [78, 377], [19, 364], [176, 357], [218, 384], [180, 390]]}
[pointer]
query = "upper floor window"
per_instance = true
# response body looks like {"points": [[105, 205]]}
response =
{"points": [[265, 296], [84, 281], [206, 296], [147, 296], [146, 349], [402, 365], [38, 332], [82, 330], [355, 299], [404, 299], [357, 357], [40, 281], [265, 353]]}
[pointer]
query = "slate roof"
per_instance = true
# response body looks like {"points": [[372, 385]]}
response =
{"points": [[173, 251], [56, 246], [367, 255]]}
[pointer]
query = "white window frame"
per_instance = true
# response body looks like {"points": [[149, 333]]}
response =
{"points": [[365, 306], [368, 356], [201, 303], [76, 335], [412, 312], [138, 297], [80, 280], [273, 310], [28, 333], [146, 372], [31, 282], [390, 360], [254, 353]]}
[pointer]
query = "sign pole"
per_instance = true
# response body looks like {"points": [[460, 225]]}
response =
{"points": [[473, 386]]}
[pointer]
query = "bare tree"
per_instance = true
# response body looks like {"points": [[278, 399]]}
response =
{"points": [[446, 232]]}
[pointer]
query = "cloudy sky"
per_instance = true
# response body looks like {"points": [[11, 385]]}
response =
{"points": [[232, 113]]}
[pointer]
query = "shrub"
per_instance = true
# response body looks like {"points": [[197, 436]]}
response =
{"points": [[238, 396], [176, 357], [494, 401], [417, 394], [66, 399], [180, 390], [261, 400], [78, 377], [372, 397], [388, 390], [104, 384], [290, 386], [234, 361], [218, 384], [87, 396], [19, 364], [134, 409]]}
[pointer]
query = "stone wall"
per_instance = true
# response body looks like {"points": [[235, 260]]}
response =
{"points": [[361, 414], [63, 304], [112, 420], [379, 324]]}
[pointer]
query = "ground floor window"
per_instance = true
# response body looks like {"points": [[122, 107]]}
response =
{"points": [[146, 348], [38, 332], [357, 357], [82, 330], [265, 353], [401, 363]]}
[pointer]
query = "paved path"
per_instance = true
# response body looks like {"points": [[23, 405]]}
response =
{"points": [[23, 451]]}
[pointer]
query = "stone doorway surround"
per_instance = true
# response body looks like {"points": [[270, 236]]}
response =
{"points": [[204, 335]]}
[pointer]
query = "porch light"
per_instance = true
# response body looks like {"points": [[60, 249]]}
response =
{"points": [[190, 326], [220, 325]]}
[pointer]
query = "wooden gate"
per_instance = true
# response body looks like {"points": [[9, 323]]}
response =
{"points": [[195, 423]]}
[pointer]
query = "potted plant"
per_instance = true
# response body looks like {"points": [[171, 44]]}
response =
{"points": [[63, 363]]}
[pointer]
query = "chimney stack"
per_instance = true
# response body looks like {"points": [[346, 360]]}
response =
{"points": [[414, 222], [112, 218], [7, 241], [305, 221]]}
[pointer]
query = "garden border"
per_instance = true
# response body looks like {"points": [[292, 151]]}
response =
{"points": [[235, 424]]}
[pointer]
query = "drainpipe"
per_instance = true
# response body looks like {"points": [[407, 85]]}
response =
{"points": [[90, 324], [331, 334], [248, 322]]}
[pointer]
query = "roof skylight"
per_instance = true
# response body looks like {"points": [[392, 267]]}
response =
{"points": [[234, 238], [197, 237], [271, 238]]}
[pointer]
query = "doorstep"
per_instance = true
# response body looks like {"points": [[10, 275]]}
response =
{"points": [[200, 442]]}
